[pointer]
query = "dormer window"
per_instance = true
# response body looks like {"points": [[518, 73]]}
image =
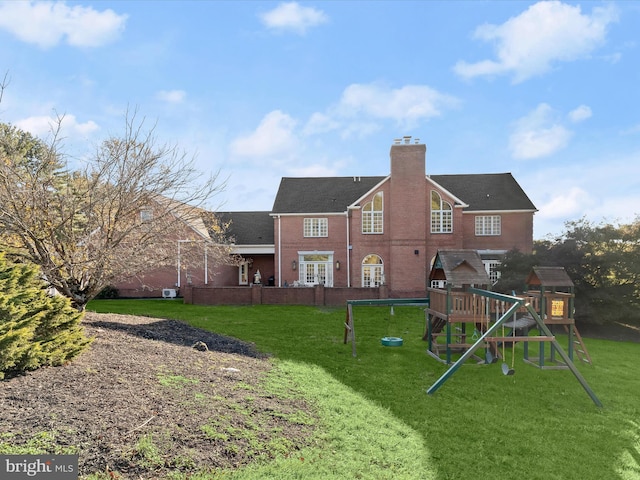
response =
{"points": [[441, 214]]}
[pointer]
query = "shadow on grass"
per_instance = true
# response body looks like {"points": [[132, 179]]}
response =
{"points": [[629, 464], [179, 333]]}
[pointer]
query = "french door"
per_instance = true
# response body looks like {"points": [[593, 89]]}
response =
{"points": [[316, 269]]}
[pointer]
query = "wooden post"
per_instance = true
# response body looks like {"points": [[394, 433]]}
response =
{"points": [[517, 303]]}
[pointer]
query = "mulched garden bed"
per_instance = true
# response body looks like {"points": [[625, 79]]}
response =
{"points": [[142, 402]]}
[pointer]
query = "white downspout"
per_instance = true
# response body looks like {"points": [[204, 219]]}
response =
{"points": [[178, 283], [279, 251], [206, 266], [348, 254]]}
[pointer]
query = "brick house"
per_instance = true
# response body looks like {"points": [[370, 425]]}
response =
{"points": [[376, 230], [367, 231]]}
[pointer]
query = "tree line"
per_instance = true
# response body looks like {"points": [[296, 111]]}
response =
{"points": [[602, 260]]}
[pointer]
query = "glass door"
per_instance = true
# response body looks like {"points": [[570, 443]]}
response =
{"points": [[315, 269]]}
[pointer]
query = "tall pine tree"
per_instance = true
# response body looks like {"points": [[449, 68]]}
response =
{"points": [[36, 328]]}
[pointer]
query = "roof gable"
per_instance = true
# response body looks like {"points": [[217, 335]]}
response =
{"points": [[321, 194], [459, 267], [192, 217], [549, 277], [474, 192]]}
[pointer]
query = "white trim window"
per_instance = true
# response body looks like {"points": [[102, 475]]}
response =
{"points": [[146, 215], [316, 268], [372, 271], [441, 214], [488, 225], [372, 215], [491, 266], [316, 227], [243, 273]]}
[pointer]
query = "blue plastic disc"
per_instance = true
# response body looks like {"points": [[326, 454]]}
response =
{"points": [[391, 341]]}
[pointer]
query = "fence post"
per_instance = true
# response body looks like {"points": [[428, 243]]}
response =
{"points": [[187, 294], [256, 294], [319, 295]]}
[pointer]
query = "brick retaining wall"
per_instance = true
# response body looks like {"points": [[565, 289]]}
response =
{"points": [[257, 295]]}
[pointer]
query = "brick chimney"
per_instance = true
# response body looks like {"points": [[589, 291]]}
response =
{"points": [[408, 159], [408, 215]]}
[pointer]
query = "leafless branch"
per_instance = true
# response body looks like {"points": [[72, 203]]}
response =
{"points": [[86, 228]]}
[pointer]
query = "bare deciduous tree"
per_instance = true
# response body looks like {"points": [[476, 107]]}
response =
{"points": [[116, 218]]}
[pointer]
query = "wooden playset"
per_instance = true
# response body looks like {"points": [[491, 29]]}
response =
{"points": [[464, 316], [457, 316]]}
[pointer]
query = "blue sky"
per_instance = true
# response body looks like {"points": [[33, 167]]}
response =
{"points": [[549, 91]]}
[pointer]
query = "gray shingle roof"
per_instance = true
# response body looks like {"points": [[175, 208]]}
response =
{"points": [[460, 267], [549, 277], [249, 228], [321, 194], [482, 192], [486, 191]]}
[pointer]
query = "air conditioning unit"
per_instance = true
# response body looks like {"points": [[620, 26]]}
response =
{"points": [[168, 293]]}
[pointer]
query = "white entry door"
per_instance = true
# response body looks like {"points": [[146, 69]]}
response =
{"points": [[316, 269]]}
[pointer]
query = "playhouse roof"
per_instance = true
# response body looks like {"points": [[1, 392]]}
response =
{"points": [[460, 267], [549, 277]]}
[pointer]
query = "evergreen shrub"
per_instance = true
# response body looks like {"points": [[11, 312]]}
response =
{"points": [[36, 328]]}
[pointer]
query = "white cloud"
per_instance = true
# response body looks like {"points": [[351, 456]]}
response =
{"points": [[583, 112], [273, 136], [46, 23], [546, 33], [538, 134], [171, 96], [316, 170], [320, 123], [42, 126], [362, 107], [564, 201], [359, 129], [596, 191], [567, 203], [291, 16], [407, 104]]}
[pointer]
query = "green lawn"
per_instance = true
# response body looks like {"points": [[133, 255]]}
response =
{"points": [[380, 423]]}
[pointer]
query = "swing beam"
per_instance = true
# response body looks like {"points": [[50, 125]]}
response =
{"points": [[349, 326], [517, 304]]}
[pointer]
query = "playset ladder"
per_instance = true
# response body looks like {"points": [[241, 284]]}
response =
{"points": [[579, 346], [548, 336]]}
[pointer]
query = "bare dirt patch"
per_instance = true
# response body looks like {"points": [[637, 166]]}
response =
{"points": [[143, 402]]}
